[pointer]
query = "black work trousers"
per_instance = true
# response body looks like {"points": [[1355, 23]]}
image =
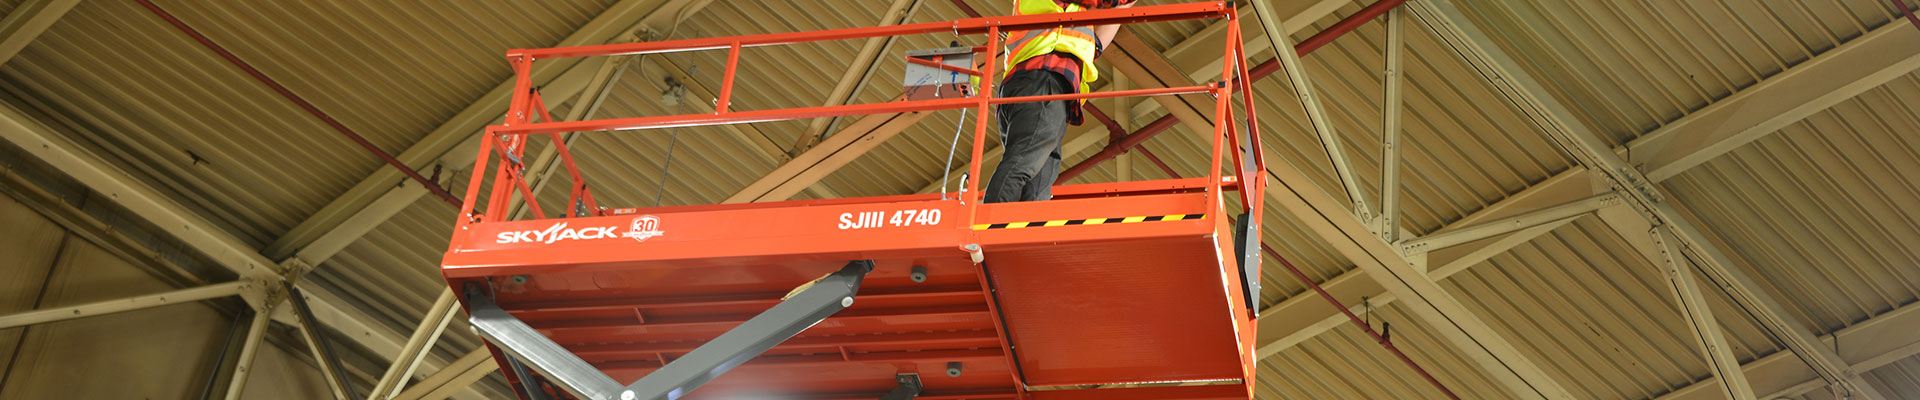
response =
{"points": [[1031, 133]]}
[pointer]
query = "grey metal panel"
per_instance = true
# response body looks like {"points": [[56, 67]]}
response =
{"points": [[168, 358], [31, 244]]}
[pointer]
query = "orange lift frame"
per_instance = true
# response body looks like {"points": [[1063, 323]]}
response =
{"points": [[1129, 290]]}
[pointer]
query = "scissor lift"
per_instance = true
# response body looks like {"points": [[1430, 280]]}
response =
{"points": [[1129, 290]]}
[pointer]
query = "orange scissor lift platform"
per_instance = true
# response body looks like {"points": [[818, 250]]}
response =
{"points": [[1127, 290]]}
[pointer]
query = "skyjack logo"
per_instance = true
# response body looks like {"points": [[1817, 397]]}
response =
{"points": [[555, 233], [642, 228]]}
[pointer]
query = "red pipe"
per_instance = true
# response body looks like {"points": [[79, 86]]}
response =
{"points": [[1257, 73], [1345, 25], [1909, 12], [1155, 159], [300, 102], [1115, 132], [1355, 319], [1116, 147]]}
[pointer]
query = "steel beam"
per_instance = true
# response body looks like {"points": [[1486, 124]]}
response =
{"points": [[1306, 329], [1447, 317], [1303, 91], [192, 230], [458, 374], [1389, 225], [1194, 54], [139, 198], [1147, 68], [417, 347], [1465, 234], [1694, 308], [243, 366], [142, 302], [1837, 73], [866, 62], [1455, 30], [320, 347], [27, 21], [1299, 318], [1884, 339]]}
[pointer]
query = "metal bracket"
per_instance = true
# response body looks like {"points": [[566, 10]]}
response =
{"points": [[1246, 243], [908, 388], [294, 268], [806, 306], [258, 294]]}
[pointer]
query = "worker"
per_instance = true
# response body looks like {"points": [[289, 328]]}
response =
{"points": [[1043, 62]]}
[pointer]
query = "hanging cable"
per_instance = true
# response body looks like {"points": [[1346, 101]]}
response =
{"points": [[952, 146], [666, 166]]}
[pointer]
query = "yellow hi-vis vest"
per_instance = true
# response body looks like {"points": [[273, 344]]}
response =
{"points": [[1076, 40]]}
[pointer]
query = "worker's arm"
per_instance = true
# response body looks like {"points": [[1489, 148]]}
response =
{"points": [[1104, 33]]}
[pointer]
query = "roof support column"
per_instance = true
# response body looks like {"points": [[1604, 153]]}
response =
{"points": [[1388, 223]]}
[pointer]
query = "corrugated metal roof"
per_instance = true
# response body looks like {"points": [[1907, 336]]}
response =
{"points": [[1630, 67], [1822, 210], [156, 100], [1815, 211], [1901, 377]]}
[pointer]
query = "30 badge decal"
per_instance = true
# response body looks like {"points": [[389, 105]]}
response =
{"points": [[642, 228]]}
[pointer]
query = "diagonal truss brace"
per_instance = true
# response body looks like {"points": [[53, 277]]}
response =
{"points": [[805, 306], [1693, 306]]}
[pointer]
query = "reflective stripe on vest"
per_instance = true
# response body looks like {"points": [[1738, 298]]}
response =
{"points": [[1080, 41]]}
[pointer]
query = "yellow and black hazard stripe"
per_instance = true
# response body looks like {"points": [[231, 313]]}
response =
{"points": [[1088, 221]]}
